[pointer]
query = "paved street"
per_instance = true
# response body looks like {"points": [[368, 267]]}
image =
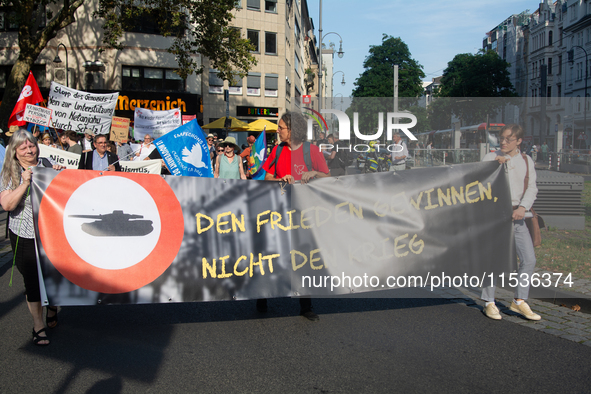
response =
{"points": [[359, 345]]}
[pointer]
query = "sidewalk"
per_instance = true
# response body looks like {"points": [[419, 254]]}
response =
{"points": [[556, 320]]}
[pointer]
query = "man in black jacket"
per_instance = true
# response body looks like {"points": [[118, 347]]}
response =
{"points": [[99, 159]]}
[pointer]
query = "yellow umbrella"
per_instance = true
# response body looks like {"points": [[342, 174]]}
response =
{"points": [[236, 124], [259, 125]]}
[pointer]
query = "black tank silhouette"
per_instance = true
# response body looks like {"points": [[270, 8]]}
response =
{"points": [[116, 224]]}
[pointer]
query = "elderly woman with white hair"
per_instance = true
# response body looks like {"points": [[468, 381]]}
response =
{"points": [[22, 155]]}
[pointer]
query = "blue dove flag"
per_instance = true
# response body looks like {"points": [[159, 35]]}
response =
{"points": [[185, 151], [258, 155]]}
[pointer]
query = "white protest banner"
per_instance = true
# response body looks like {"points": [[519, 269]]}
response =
{"points": [[38, 115], [68, 159], [155, 123], [76, 110], [142, 167]]}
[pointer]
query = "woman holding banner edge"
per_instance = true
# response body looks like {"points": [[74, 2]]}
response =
{"points": [[519, 168], [22, 154]]}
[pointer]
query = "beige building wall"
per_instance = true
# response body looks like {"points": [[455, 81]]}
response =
{"points": [[285, 22]]}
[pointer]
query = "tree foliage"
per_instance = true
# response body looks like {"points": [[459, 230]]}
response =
{"points": [[196, 26], [378, 78], [374, 90], [485, 77]]}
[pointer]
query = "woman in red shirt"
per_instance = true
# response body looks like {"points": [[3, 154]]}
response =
{"points": [[291, 166]]}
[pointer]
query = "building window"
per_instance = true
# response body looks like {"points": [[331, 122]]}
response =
{"points": [[550, 37], [216, 84], [38, 73], [549, 95], [236, 86], [560, 64], [151, 79], [253, 36], [558, 94], [146, 20], [253, 84], [7, 19], [296, 60], [549, 66], [296, 30], [297, 96], [253, 4], [271, 6], [287, 88], [271, 85], [270, 43]]}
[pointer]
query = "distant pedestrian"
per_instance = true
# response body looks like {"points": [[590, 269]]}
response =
{"points": [[545, 152]]}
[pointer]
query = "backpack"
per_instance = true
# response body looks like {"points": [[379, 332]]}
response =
{"points": [[307, 157]]}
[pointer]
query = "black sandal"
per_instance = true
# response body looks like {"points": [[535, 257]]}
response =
{"points": [[37, 338], [51, 321]]}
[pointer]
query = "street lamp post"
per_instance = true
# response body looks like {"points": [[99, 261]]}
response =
{"points": [[340, 53], [58, 60], [572, 59]]}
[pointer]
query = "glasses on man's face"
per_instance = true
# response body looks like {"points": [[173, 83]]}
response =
{"points": [[507, 139], [281, 128]]}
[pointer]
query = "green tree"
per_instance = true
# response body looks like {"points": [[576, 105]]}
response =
{"points": [[374, 89], [195, 26], [378, 78], [481, 81]]}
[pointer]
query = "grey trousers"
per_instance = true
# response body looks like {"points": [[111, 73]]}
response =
{"points": [[527, 258], [398, 167]]}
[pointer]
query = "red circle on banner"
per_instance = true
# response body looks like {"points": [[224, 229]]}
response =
{"points": [[110, 281]]}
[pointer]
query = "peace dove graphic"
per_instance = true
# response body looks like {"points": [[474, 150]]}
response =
{"points": [[193, 156]]}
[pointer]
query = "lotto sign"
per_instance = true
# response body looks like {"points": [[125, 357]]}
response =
{"points": [[306, 99]]}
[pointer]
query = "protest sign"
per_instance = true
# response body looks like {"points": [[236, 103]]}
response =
{"points": [[142, 166], [205, 239], [188, 118], [155, 123], [38, 115], [68, 159], [76, 110], [119, 129], [185, 151]]}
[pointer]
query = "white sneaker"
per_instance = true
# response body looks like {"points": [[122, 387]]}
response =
{"points": [[492, 311], [524, 310]]}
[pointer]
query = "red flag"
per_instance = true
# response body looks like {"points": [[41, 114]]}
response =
{"points": [[29, 95]]}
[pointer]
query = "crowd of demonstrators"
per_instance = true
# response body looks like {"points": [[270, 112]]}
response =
{"points": [[146, 148], [87, 140], [99, 159], [22, 156], [229, 165], [212, 149], [337, 162], [522, 184], [124, 151]]}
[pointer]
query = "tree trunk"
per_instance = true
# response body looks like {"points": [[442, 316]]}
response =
{"points": [[14, 86]]}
